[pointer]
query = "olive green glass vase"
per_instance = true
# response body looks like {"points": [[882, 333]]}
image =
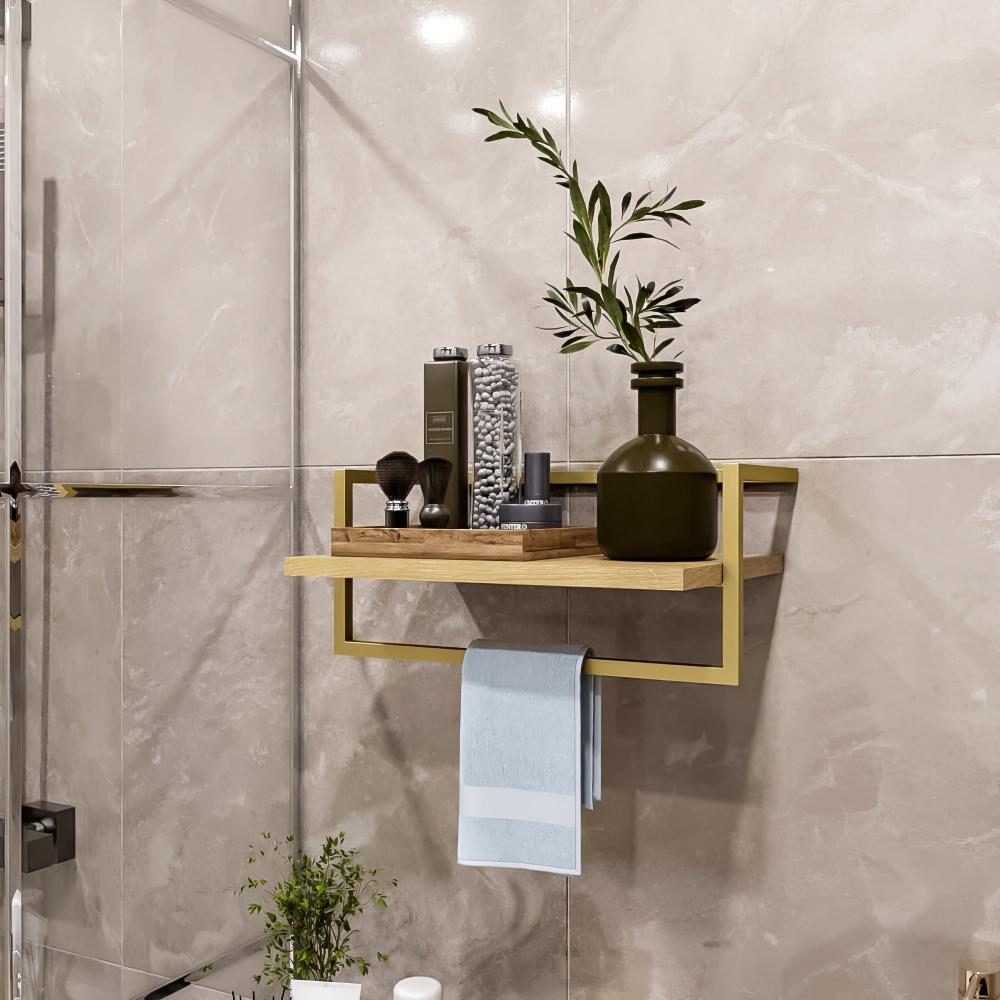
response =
{"points": [[657, 495]]}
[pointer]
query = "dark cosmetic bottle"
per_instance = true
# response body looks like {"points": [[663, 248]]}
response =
{"points": [[446, 424], [535, 509]]}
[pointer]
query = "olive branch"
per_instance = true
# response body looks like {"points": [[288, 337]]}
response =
{"points": [[586, 312]]}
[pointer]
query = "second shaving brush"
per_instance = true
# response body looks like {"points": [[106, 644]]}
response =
{"points": [[434, 475], [396, 474]]}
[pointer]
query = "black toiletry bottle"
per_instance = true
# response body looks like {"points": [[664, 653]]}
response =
{"points": [[535, 509], [446, 424]]}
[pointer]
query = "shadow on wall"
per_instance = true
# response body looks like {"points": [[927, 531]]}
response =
{"points": [[679, 763], [682, 752]]}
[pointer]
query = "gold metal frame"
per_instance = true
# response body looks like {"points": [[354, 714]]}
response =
{"points": [[732, 479]]}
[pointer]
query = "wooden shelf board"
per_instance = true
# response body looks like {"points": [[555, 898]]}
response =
{"points": [[593, 571]]}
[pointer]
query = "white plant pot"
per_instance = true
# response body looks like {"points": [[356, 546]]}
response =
{"points": [[304, 989]]}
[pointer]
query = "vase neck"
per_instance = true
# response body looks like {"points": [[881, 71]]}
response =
{"points": [[657, 410]]}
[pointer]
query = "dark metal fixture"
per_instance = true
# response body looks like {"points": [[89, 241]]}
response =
{"points": [[48, 836]]}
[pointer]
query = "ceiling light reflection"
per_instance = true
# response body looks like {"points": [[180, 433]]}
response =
{"points": [[442, 30]]}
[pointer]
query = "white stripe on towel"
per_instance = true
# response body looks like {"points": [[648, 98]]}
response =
{"points": [[484, 802]]}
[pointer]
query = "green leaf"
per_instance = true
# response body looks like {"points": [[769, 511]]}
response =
{"points": [[603, 223], [671, 217], [614, 268], [579, 205], [669, 293], [633, 338], [611, 306], [502, 135], [568, 348], [665, 344], [685, 206], [587, 292], [640, 298], [618, 349], [681, 305], [592, 203], [646, 236], [492, 116], [626, 201], [603, 238]]}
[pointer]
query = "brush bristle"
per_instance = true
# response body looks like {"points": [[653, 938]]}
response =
{"points": [[396, 474], [434, 475]]}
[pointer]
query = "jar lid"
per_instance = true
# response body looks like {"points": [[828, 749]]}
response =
{"points": [[450, 354], [495, 350]]}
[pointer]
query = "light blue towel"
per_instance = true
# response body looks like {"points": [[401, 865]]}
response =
{"points": [[529, 756]]}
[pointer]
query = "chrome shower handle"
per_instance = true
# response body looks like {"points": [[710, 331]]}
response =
{"points": [[974, 984]]}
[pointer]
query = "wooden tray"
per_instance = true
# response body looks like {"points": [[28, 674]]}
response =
{"points": [[455, 543]]}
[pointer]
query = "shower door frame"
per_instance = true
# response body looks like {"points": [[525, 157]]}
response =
{"points": [[15, 491]]}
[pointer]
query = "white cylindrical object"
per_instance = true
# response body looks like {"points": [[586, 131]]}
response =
{"points": [[418, 988]]}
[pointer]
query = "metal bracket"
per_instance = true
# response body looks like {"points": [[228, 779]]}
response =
{"points": [[49, 835], [25, 24], [733, 479]]}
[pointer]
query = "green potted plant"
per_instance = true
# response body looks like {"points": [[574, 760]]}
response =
{"points": [[310, 908], [656, 494]]}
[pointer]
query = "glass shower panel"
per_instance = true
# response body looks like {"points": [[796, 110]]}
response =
{"points": [[206, 246], [159, 338]]}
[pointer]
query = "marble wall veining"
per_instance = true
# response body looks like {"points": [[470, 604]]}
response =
{"points": [[158, 631], [806, 835], [828, 829]]}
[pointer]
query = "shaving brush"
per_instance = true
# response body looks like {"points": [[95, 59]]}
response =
{"points": [[396, 474], [434, 475]]}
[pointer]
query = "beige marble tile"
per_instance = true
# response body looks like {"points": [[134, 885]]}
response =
{"points": [[135, 984], [847, 254], [207, 742], [72, 236], [827, 829], [58, 975], [269, 17], [416, 234], [380, 761], [206, 245], [72, 567]]}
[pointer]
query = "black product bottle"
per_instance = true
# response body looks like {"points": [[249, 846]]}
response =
{"points": [[446, 424], [535, 509]]}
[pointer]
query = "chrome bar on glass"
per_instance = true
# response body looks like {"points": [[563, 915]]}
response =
{"points": [[133, 491]]}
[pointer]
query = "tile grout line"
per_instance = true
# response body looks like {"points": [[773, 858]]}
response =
{"points": [[568, 118], [726, 458], [121, 505], [569, 394]]}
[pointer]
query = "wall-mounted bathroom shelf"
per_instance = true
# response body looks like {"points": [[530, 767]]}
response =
{"points": [[728, 572]]}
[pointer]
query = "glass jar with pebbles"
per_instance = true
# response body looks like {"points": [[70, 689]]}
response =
{"points": [[496, 432]]}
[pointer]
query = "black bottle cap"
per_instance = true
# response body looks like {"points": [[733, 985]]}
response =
{"points": [[451, 354], [536, 476]]}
